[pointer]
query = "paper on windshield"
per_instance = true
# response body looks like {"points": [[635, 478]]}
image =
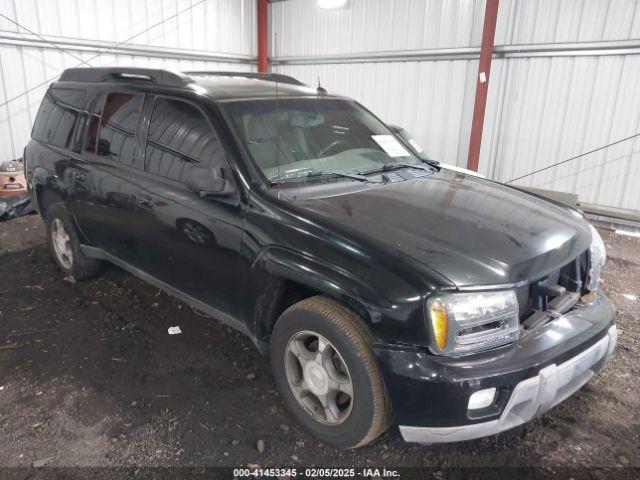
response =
{"points": [[391, 145], [415, 145]]}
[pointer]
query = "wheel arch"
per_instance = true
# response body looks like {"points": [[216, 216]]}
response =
{"points": [[48, 189], [293, 276]]}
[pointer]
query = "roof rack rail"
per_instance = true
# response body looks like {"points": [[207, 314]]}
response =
{"points": [[159, 77], [270, 77]]}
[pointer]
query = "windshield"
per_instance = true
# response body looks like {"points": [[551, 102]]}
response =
{"points": [[302, 137]]}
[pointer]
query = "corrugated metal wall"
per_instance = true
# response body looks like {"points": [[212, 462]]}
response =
{"points": [[85, 27], [544, 110], [375, 25], [540, 110]]}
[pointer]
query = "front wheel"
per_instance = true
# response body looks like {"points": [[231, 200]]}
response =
{"points": [[327, 375]]}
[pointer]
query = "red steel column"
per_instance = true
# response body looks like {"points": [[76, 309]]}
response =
{"points": [[263, 35], [482, 83]]}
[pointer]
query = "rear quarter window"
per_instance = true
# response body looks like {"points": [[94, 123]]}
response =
{"points": [[58, 116]]}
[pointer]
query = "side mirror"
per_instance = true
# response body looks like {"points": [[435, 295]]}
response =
{"points": [[208, 181]]}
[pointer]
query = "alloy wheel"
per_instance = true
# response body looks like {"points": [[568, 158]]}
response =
{"points": [[61, 243], [319, 378]]}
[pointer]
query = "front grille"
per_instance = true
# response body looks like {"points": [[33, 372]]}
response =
{"points": [[535, 296]]}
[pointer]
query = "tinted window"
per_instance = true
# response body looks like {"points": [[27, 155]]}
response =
{"points": [[57, 117], [179, 134], [93, 125], [118, 120]]}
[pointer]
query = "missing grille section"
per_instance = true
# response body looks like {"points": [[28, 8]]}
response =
{"points": [[535, 298]]}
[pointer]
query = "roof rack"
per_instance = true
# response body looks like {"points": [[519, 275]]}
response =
{"points": [[162, 77], [159, 77], [270, 77]]}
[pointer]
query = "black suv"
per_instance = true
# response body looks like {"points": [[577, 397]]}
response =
{"points": [[385, 287]]}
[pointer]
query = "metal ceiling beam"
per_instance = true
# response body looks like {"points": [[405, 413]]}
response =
{"points": [[616, 47], [624, 47], [98, 46]]}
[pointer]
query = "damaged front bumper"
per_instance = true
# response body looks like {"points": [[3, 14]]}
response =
{"points": [[430, 394]]}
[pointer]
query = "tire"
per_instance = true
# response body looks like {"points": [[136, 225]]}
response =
{"points": [[74, 263], [360, 417]]}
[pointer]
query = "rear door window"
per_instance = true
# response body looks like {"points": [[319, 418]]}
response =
{"points": [[112, 126], [179, 134], [57, 117]]}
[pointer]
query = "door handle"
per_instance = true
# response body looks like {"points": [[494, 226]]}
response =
{"points": [[144, 201]]}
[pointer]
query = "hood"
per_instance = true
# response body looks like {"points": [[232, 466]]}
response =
{"points": [[470, 230]]}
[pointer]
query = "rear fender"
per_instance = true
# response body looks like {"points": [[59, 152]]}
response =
{"points": [[47, 189]]}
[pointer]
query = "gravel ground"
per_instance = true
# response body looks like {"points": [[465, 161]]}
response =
{"points": [[90, 377]]}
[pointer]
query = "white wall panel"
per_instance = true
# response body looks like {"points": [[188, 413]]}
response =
{"points": [[373, 25], [539, 111], [380, 25], [561, 21], [553, 109], [214, 25], [222, 26]]}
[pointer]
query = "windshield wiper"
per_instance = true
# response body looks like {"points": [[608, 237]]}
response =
{"points": [[394, 166], [320, 174]]}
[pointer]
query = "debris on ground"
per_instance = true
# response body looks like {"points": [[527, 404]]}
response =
{"points": [[174, 330], [15, 206], [41, 462]]}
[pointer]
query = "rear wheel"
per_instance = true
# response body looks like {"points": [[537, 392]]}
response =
{"points": [[325, 370], [65, 246]]}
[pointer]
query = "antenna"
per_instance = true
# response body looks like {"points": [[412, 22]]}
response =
{"points": [[321, 91]]}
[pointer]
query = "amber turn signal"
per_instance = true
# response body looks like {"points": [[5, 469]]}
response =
{"points": [[439, 322]]}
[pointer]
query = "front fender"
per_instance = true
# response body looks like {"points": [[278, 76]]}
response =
{"points": [[391, 319], [318, 275]]}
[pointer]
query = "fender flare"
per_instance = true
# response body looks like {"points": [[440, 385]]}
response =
{"points": [[325, 278]]}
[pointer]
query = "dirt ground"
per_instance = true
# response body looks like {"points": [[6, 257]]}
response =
{"points": [[90, 377]]}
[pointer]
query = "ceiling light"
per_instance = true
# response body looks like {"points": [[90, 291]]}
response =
{"points": [[331, 4]]}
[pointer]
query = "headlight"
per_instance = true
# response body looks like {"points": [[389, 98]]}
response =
{"points": [[462, 323], [597, 258]]}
